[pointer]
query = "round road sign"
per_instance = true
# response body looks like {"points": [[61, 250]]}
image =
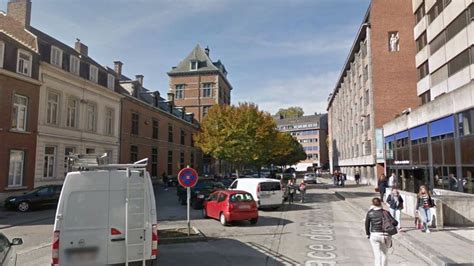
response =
{"points": [[188, 177]]}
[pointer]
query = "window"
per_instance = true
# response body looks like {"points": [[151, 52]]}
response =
{"points": [[466, 123], [67, 163], [109, 121], [458, 63], [205, 110], [133, 153], [183, 135], [74, 65], [4, 248], [420, 13], [179, 92], [91, 115], [421, 42], [207, 90], [437, 43], [367, 122], [423, 70], [93, 73], [53, 108], [49, 161], [56, 56], [170, 162], [366, 97], [24, 63], [194, 65], [457, 25], [192, 140], [155, 129], [90, 151], [368, 147], [366, 73], [439, 75], [135, 119], [110, 81], [154, 162], [72, 112], [192, 159], [20, 112], [435, 11], [181, 160], [170, 133], [2, 52], [425, 97], [15, 172]]}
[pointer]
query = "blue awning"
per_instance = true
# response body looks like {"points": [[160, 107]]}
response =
{"points": [[401, 135], [442, 126], [419, 132], [390, 138]]}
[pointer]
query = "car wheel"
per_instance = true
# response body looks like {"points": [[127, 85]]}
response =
{"points": [[253, 221], [204, 213], [24, 206], [222, 219]]}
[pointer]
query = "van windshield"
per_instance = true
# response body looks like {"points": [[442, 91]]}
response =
{"points": [[270, 186]]}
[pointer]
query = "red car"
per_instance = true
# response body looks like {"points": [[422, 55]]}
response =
{"points": [[231, 205]]}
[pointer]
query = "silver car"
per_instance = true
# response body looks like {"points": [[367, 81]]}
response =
{"points": [[7, 250], [310, 178]]}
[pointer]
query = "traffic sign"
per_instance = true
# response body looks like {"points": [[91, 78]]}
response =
{"points": [[188, 177]]}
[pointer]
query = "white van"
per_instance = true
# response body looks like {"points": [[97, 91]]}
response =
{"points": [[91, 217], [267, 192]]}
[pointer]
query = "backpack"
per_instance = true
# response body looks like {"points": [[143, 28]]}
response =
{"points": [[389, 223]]}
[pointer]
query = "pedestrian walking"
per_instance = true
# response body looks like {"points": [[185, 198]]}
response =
{"points": [[395, 202], [165, 180], [393, 181], [382, 185], [335, 178], [424, 204], [377, 221], [291, 190], [342, 178], [357, 178], [302, 189]]}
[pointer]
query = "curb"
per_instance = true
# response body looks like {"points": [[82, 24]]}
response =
{"points": [[26, 222], [407, 241], [178, 240]]}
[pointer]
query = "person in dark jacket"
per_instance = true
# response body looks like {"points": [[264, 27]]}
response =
{"points": [[357, 178], [382, 184], [424, 204], [395, 201], [379, 240]]}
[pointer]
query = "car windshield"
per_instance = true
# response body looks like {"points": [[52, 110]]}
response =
{"points": [[204, 184], [238, 197]]}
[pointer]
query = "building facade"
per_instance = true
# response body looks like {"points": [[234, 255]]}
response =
{"points": [[311, 132], [154, 128], [377, 82], [434, 143], [19, 96]]}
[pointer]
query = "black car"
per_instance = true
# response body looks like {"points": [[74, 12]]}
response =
{"points": [[202, 190], [44, 196]]}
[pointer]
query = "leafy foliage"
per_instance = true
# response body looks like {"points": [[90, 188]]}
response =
{"points": [[289, 112]]}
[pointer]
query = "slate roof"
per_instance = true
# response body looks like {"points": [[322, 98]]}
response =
{"points": [[205, 63]]}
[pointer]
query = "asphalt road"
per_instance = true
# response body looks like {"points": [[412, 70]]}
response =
{"points": [[323, 231]]}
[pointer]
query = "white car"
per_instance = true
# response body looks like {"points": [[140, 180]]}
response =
{"points": [[266, 192], [310, 178], [92, 214], [7, 250]]}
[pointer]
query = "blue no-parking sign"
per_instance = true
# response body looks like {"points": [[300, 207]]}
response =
{"points": [[188, 177]]}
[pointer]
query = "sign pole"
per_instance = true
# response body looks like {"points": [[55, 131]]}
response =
{"points": [[188, 190], [188, 178]]}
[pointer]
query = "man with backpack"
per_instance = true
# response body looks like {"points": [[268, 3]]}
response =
{"points": [[379, 227]]}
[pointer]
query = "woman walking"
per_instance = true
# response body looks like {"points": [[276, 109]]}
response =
{"points": [[380, 240], [395, 201], [291, 190], [302, 189], [382, 186], [423, 205]]}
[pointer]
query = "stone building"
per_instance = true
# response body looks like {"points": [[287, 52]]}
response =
{"points": [[377, 82]]}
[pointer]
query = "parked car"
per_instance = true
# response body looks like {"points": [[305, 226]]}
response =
{"points": [[310, 178], [202, 189], [231, 205], [7, 250], [44, 196], [266, 192], [92, 214]]}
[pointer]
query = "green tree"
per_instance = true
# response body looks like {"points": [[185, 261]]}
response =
{"points": [[287, 150], [289, 112]]}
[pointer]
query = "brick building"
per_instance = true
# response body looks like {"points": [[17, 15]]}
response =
{"points": [[19, 95], [377, 82], [311, 132], [154, 128]]}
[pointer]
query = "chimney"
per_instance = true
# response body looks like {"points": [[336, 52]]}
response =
{"points": [[136, 90], [192, 117], [171, 101], [80, 47], [183, 112], [139, 78], [20, 10], [118, 69], [207, 50], [156, 96]]}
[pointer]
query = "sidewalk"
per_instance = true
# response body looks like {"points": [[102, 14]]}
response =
{"points": [[449, 246]]}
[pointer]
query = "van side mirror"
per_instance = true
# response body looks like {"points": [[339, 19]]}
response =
{"points": [[17, 241]]}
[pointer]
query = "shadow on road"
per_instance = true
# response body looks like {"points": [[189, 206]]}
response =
{"points": [[9, 218]]}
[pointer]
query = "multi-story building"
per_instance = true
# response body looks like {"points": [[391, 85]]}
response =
{"points": [[79, 109], [154, 128], [19, 96], [311, 132], [377, 82], [434, 143]]}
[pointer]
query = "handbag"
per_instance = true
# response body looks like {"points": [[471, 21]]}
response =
{"points": [[377, 189], [389, 223]]}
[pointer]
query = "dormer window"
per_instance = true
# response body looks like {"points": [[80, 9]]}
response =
{"points": [[74, 65], [56, 56], [24, 63], [194, 65], [110, 81], [93, 73]]}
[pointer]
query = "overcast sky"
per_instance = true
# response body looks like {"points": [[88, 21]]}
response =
{"points": [[278, 53]]}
